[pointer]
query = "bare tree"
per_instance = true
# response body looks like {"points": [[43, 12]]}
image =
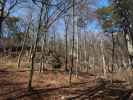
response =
{"points": [[48, 21], [73, 37], [24, 41], [66, 19], [103, 60], [34, 50], [5, 11]]}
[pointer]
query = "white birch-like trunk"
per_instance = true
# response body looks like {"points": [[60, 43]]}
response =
{"points": [[103, 60]]}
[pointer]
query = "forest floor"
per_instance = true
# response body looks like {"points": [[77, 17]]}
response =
{"points": [[51, 85]]}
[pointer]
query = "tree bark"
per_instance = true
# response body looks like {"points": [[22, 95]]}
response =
{"points": [[66, 43], [103, 59], [1, 34], [72, 56], [23, 44], [34, 52], [31, 73]]}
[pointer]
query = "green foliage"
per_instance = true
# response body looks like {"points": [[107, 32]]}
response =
{"points": [[11, 23], [1, 1], [56, 65], [124, 10], [107, 18], [29, 66], [104, 10], [56, 61]]}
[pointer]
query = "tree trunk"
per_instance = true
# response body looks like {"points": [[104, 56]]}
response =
{"points": [[103, 59], [113, 54], [77, 62], [66, 43], [0, 29], [31, 73], [34, 52], [42, 58], [77, 31], [21, 52], [85, 52], [72, 56], [30, 52], [23, 44], [43, 53]]}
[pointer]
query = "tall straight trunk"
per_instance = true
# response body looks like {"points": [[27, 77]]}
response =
{"points": [[30, 52], [66, 43], [103, 60], [113, 54], [77, 63], [54, 40], [43, 53], [1, 34], [66, 57], [42, 57], [93, 64], [104, 67], [32, 64], [45, 48], [34, 52], [85, 52], [130, 57], [113, 57], [77, 31], [31, 73], [72, 57], [2, 18]]}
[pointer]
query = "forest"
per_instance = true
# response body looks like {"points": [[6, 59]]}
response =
{"points": [[66, 50]]}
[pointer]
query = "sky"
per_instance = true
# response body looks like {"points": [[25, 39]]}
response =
{"points": [[92, 26], [102, 3]]}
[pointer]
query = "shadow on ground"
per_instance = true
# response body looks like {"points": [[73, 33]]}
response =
{"points": [[11, 88]]}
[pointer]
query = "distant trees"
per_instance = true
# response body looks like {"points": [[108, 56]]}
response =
{"points": [[6, 10], [118, 18], [45, 21], [125, 12], [26, 34], [109, 23], [79, 50]]}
